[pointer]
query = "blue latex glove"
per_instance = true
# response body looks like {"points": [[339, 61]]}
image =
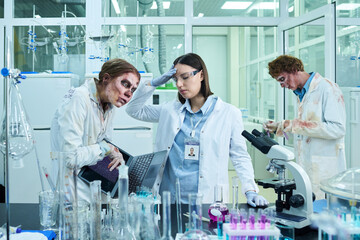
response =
{"points": [[163, 78], [254, 199]]}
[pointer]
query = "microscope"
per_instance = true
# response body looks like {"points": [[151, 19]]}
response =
{"points": [[294, 202]]}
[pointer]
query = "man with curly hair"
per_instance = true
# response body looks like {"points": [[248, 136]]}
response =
{"points": [[319, 127]]}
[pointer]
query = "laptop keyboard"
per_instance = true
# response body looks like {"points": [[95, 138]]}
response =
{"points": [[137, 173]]}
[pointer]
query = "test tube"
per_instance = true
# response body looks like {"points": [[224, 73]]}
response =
{"points": [[234, 219], [262, 218], [243, 218], [252, 218], [220, 226], [235, 188], [251, 222]]}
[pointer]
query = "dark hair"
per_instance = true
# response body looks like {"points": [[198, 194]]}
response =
{"points": [[116, 67], [285, 63], [195, 61]]}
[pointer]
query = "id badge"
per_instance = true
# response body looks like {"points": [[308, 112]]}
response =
{"points": [[192, 149]]}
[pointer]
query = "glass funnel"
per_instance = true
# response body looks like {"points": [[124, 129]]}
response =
{"points": [[195, 219], [20, 131]]}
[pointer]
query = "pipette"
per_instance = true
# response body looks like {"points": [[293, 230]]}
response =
{"points": [[178, 205], [51, 183]]}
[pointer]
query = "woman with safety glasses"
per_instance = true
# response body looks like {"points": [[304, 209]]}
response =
{"points": [[200, 122]]}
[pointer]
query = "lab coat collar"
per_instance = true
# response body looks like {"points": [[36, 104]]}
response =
{"points": [[313, 86], [204, 107]]}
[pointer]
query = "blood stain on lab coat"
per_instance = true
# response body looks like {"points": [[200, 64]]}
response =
{"points": [[304, 124]]}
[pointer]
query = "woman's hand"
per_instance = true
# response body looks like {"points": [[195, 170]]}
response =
{"points": [[163, 78], [117, 159]]}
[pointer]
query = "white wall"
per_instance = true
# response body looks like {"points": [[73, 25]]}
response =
{"points": [[213, 50]]}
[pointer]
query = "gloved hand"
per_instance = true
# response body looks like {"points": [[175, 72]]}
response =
{"points": [[254, 199], [163, 78], [117, 159], [271, 126]]}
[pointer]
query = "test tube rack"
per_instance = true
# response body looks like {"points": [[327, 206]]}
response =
{"points": [[271, 231]]}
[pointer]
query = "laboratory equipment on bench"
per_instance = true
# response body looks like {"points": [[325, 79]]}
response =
{"points": [[294, 203], [166, 235], [95, 210], [343, 207], [244, 225], [235, 192], [20, 132], [178, 205], [124, 230], [195, 219]]}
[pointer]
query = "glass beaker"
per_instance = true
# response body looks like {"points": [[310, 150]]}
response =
{"points": [[20, 131], [218, 208], [195, 219], [48, 209]]}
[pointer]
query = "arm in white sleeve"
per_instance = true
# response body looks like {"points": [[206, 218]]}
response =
{"points": [[137, 109], [240, 157], [331, 125], [71, 122]]}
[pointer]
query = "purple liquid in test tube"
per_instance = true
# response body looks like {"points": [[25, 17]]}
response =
{"points": [[234, 219], [252, 224], [263, 221]]}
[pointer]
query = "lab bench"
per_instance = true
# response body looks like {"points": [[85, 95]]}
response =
{"points": [[27, 215]]}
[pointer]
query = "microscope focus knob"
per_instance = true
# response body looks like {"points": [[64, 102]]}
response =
{"points": [[296, 200]]}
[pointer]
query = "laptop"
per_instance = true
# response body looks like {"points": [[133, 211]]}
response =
{"points": [[143, 171]]}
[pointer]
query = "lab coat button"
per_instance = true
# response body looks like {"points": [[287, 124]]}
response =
{"points": [[201, 176], [168, 147]]}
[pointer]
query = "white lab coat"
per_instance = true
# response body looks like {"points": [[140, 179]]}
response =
{"points": [[220, 138], [319, 132], [79, 125]]}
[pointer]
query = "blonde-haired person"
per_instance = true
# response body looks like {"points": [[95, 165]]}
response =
{"points": [[200, 122], [84, 118]]}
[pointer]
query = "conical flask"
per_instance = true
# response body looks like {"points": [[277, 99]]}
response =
{"points": [[20, 131]]}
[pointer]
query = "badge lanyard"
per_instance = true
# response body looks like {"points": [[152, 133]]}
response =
{"points": [[192, 144]]}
